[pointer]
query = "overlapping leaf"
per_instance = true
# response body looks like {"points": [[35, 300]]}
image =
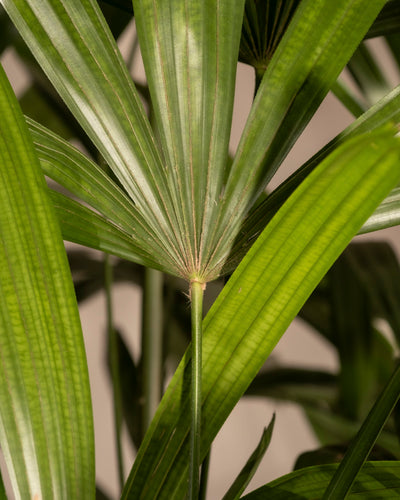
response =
{"points": [[46, 429], [262, 297]]}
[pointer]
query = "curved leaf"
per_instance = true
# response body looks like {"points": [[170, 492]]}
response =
{"points": [[83, 226], [74, 46], [83, 178], [46, 428], [386, 215], [314, 49], [362, 444], [260, 300], [248, 471], [377, 480]]}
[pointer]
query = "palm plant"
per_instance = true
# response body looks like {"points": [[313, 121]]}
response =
{"points": [[171, 199]]}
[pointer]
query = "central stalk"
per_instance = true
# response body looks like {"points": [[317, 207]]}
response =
{"points": [[196, 295]]}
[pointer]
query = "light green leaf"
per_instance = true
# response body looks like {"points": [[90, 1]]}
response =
{"points": [[190, 52], [74, 46], [377, 480], [261, 299], [314, 49], [46, 428]]}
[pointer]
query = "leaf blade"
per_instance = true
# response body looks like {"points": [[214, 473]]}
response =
{"points": [[260, 300], [46, 427]]}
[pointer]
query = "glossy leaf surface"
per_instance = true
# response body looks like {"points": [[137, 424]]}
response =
{"points": [[262, 297]]}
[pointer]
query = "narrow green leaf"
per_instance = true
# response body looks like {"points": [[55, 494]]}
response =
{"points": [[46, 428], [248, 471], [362, 444], [377, 480], [386, 215], [84, 179], [348, 98], [333, 428], [261, 299], [74, 46], [81, 225], [314, 49], [367, 74], [190, 52]]}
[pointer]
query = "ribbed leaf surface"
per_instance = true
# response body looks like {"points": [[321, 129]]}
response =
{"points": [[260, 300], [72, 43], [317, 44], [190, 52], [46, 429]]}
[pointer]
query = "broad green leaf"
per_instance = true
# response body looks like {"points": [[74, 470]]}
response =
{"points": [[46, 428], [362, 444], [377, 480], [74, 46], [248, 471], [314, 49], [190, 52], [261, 299], [386, 215]]}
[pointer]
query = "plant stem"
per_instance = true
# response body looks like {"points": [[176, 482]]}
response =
{"points": [[196, 294], [114, 363], [152, 340]]}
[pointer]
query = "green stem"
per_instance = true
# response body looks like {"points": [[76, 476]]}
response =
{"points": [[152, 340], [196, 294], [362, 444], [114, 363]]}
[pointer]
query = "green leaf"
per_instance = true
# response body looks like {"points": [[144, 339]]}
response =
{"points": [[85, 227], [377, 480], [190, 52], [362, 444], [260, 300], [314, 49], [332, 428], [84, 179], [367, 75], [388, 20], [46, 430], [74, 46], [386, 215], [248, 471]]}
